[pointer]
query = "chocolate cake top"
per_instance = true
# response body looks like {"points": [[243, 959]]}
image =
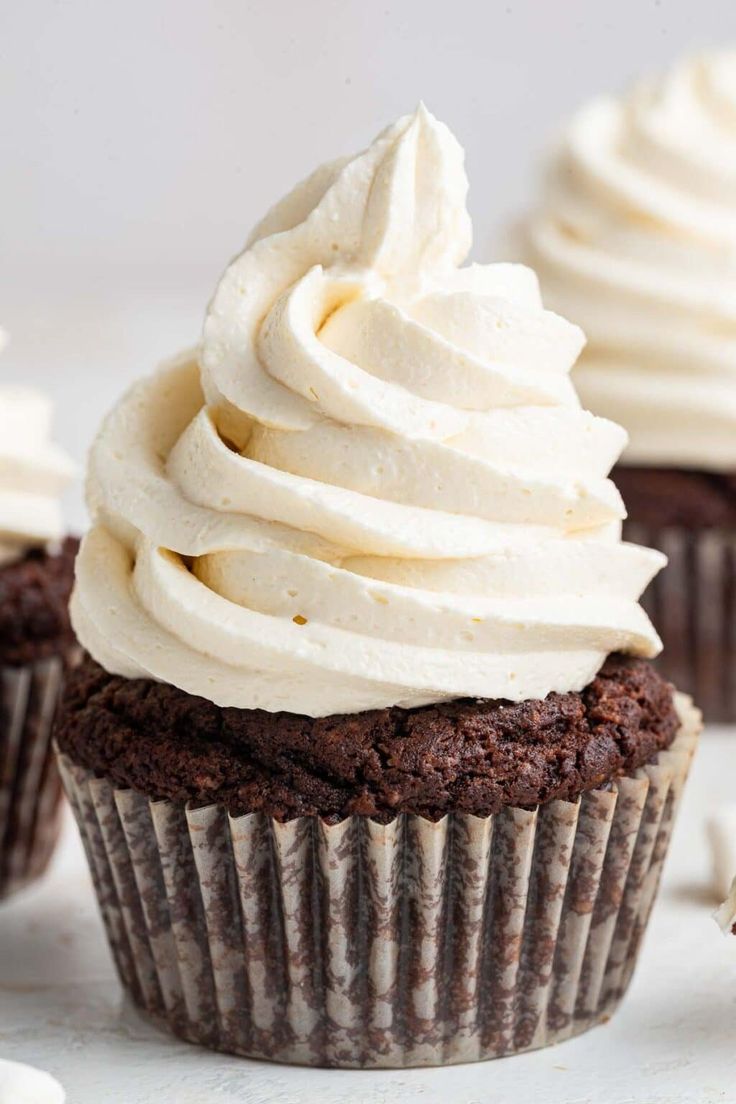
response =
{"points": [[34, 598], [470, 756]]}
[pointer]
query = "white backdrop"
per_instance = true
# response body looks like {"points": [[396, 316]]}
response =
{"points": [[141, 139]]}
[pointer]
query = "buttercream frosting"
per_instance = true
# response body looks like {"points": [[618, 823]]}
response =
{"points": [[635, 239], [373, 485], [22, 1084], [33, 472]]}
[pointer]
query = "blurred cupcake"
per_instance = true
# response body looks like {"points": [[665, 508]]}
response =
{"points": [[635, 239], [36, 638], [368, 760]]}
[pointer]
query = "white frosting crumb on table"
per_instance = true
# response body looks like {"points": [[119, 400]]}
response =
{"points": [[23, 1084]]}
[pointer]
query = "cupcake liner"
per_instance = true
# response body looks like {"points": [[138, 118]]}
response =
{"points": [[693, 606], [360, 944], [30, 790]]}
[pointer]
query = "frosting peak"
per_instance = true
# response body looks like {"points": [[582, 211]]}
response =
{"points": [[375, 484], [33, 472], [636, 240]]}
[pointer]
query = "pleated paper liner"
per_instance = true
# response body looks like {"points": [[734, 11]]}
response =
{"points": [[360, 944], [30, 790], [693, 606]]}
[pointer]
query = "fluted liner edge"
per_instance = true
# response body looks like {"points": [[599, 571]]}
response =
{"points": [[30, 791], [413, 943]]}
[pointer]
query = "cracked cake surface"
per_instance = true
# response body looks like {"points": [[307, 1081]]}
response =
{"points": [[473, 756]]}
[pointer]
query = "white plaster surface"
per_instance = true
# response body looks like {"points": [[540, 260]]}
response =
{"points": [[672, 1041]]}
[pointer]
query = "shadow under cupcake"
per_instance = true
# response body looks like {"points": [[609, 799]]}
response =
{"points": [[367, 757]]}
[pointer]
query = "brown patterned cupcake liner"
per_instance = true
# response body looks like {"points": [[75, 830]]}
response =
{"points": [[693, 606], [360, 944], [30, 789]]}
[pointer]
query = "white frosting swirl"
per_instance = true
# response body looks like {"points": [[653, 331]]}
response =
{"points": [[636, 240], [22, 1084], [376, 486], [33, 473]]}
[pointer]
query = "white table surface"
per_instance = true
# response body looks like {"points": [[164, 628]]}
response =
{"points": [[671, 1042]]}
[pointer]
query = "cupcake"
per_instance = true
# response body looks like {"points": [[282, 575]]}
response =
{"points": [[36, 638], [368, 759], [635, 239]]}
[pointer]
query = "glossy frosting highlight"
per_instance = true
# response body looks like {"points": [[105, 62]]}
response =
{"points": [[635, 240], [374, 485]]}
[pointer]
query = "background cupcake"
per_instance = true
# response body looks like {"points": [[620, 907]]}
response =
{"points": [[362, 772], [635, 239], [36, 638]]}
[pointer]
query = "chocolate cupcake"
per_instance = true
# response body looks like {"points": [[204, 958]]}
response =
{"points": [[368, 759], [635, 240], [36, 639]]}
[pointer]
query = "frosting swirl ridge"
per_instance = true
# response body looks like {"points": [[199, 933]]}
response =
{"points": [[635, 239], [373, 485]]}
